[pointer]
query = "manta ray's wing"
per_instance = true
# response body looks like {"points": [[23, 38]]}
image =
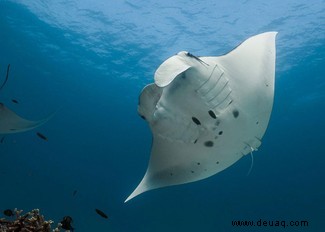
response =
{"points": [[205, 113], [10, 122]]}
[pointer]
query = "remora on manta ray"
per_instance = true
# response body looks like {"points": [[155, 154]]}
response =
{"points": [[205, 113]]}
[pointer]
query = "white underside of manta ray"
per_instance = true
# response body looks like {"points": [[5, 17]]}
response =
{"points": [[205, 113], [11, 123]]}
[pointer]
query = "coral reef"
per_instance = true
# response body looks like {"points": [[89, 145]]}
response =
{"points": [[31, 221]]}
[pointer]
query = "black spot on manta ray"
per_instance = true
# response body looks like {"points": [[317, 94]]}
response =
{"points": [[196, 121], [220, 132], [198, 163], [208, 144], [235, 113], [212, 114]]}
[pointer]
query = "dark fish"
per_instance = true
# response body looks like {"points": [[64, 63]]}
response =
{"points": [[8, 212], [197, 58], [2, 139], [7, 76], [101, 213], [41, 136], [14, 101], [66, 223], [74, 193]]}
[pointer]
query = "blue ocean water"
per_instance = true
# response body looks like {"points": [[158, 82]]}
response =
{"points": [[87, 61]]}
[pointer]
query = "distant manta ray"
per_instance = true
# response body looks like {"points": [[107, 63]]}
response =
{"points": [[10, 122], [205, 113]]}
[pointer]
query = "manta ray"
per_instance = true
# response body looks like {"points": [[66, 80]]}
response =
{"points": [[205, 113], [11, 123]]}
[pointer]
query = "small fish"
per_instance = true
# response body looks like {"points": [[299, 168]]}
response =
{"points": [[2, 139], [66, 223], [14, 101], [8, 212], [197, 58], [101, 213], [74, 193], [42, 136]]}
